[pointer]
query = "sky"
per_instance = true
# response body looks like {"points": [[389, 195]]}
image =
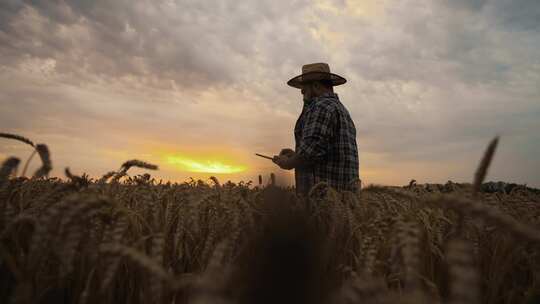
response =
{"points": [[197, 87]]}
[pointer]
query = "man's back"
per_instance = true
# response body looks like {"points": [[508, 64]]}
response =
{"points": [[325, 134]]}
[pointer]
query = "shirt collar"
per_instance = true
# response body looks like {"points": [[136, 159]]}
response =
{"points": [[325, 95], [328, 95]]}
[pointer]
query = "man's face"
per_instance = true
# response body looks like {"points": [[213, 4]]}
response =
{"points": [[308, 91]]}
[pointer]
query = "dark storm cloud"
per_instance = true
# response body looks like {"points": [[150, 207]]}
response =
{"points": [[8, 9], [467, 4], [473, 78], [192, 42], [469, 39], [519, 14]]}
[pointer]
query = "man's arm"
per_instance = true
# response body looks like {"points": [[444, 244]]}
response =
{"points": [[316, 135], [291, 161], [318, 129]]}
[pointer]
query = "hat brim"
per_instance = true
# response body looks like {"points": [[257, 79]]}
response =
{"points": [[298, 81]]}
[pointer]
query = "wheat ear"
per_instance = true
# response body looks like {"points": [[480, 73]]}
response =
{"points": [[481, 172], [8, 166], [475, 209], [74, 226], [46, 166], [106, 176], [144, 262], [137, 163], [216, 182]]}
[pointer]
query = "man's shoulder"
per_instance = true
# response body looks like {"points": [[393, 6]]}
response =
{"points": [[329, 101]]}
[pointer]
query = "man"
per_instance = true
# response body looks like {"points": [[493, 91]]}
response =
{"points": [[325, 134]]}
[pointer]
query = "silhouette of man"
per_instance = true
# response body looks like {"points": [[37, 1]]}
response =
{"points": [[325, 135]]}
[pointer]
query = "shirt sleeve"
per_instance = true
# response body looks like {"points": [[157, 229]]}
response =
{"points": [[317, 132]]}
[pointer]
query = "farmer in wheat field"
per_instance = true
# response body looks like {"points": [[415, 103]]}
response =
{"points": [[324, 134]]}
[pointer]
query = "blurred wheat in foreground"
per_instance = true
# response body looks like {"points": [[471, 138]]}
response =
{"points": [[132, 239]]}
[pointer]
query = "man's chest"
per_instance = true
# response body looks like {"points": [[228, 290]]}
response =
{"points": [[299, 127]]}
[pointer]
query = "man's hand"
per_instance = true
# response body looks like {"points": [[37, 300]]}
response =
{"points": [[285, 159], [287, 152], [283, 162]]}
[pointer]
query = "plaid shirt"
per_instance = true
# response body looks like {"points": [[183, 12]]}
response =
{"points": [[325, 135]]}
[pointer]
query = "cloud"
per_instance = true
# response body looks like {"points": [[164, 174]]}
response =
{"points": [[515, 15], [429, 83], [191, 43], [520, 15]]}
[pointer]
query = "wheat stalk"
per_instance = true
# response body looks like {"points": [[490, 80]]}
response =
{"points": [[191, 229], [18, 138], [72, 227], [113, 236], [409, 238], [465, 284], [15, 223], [156, 287]]}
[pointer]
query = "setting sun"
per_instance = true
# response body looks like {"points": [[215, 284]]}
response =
{"points": [[208, 166]]}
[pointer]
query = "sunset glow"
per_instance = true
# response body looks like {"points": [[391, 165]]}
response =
{"points": [[208, 166], [429, 83]]}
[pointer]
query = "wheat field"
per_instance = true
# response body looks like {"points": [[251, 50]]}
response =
{"points": [[133, 239]]}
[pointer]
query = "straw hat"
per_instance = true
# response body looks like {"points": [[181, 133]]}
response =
{"points": [[315, 71]]}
